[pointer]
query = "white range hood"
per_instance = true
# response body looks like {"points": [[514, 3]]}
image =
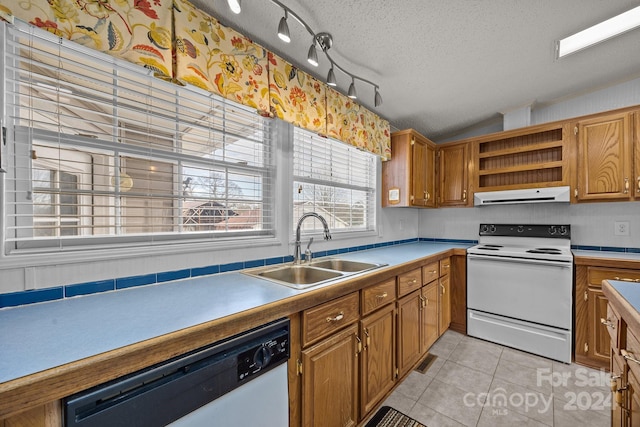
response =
{"points": [[529, 195]]}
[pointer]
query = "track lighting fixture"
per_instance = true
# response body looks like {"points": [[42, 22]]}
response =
{"points": [[331, 78], [312, 55], [235, 6], [325, 41], [283, 29], [352, 90], [377, 99]]}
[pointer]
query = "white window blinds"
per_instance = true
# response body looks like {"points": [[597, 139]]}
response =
{"points": [[334, 180], [100, 152]]}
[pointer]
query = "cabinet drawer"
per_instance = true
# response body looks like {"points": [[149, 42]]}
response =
{"points": [[598, 274], [409, 281], [430, 272], [445, 266], [325, 319], [614, 327], [633, 353], [378, 295]]}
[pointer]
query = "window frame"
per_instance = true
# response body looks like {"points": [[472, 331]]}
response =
{"points": [[14, 134], [373, 228]]}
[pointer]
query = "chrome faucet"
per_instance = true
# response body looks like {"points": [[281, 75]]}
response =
{"points": [[327, 236]]}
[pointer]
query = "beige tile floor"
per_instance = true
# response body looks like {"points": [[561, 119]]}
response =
{"points": [[476, 383]]}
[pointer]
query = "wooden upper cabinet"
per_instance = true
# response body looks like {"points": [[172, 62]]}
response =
{"points": [[453, 173], [408, 179], [605, 158]]}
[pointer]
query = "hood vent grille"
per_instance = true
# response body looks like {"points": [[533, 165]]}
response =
{"points": [[530, 195]]}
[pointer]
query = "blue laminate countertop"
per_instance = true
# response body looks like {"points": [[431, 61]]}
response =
{"points": [[609, 255], [629, 291], [42, 336]]}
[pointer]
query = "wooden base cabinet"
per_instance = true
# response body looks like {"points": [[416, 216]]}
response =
{"points": [[378, 362], [330, 381], [430, 315], [591, 336], [409, 331]]}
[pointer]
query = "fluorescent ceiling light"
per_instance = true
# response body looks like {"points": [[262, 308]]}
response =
{"points": [[605, 30]]}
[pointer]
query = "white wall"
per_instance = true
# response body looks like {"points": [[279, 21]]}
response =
{"points": [[592, 224]]}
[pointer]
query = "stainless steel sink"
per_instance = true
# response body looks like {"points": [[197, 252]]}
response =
{"points": [[344, 265], [299, 275], [302, 276]]}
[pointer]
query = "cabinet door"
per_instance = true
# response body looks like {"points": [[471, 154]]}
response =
{"points": [[453, 172], [636, 145], [423, 174], [444, 304], [618, 415], [330, 381], [599, 342], [633, 400], [604, 158], [430, 315], [409, 331], [378, 373]]}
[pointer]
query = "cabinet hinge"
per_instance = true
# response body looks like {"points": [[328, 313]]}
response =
{"points": [[413, 140], [575, 130], [586, 296], [586, 347], [412, 198], [397, 372], [575, 192], [299, 366]]}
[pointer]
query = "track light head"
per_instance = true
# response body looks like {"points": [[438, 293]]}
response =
{"points": [[331, 78], [235, 6], [377, 99], [352, 90], [283, 29], [312, 55]]}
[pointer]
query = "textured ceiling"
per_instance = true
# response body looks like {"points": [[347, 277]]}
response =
{"points": [[444, 66]]}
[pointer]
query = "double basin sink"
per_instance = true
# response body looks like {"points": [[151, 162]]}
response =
{"points": [[303, 276]]}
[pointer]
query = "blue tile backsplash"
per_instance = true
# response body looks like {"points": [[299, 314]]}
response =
{"points": [[49, 294]]}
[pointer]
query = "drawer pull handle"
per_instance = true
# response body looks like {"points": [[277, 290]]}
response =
{"points": [[629, 356], [607, 322], [444, 290], [338, 318], [614, 383], [638, 179], [412, 281], [626, 186], [625, 279], [382, 296]]}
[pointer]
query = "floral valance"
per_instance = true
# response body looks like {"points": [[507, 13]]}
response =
{"points": [[178, 41], [296, 97], [138, 31], [219, 59]]}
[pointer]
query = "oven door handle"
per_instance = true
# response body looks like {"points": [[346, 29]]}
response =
{"points": [[520, 260]]}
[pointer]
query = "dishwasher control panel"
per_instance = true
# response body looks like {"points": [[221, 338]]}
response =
{"points": [[262, 356]]}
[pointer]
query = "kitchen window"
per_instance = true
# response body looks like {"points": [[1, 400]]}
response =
{"points": [[335, 180], [100, 152]]}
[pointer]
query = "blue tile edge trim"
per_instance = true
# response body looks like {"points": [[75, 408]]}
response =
{"points": [[605, 249], [87, 288]]}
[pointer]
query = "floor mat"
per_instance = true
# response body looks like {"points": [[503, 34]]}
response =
{"points": [[389, 417]]}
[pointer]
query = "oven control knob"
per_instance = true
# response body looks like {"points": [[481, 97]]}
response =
{"points": [[492, 228], [484, 228], [262, 357], [553, 230], [520, 228], [563, 230]]}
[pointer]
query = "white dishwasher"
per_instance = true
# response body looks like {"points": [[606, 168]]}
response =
{"points": [[240, 381]]}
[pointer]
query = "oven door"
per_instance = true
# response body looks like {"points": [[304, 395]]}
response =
{"points": [[532, 290]]}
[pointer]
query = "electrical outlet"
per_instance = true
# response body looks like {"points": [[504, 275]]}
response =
{"points": [[621, 228]]}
